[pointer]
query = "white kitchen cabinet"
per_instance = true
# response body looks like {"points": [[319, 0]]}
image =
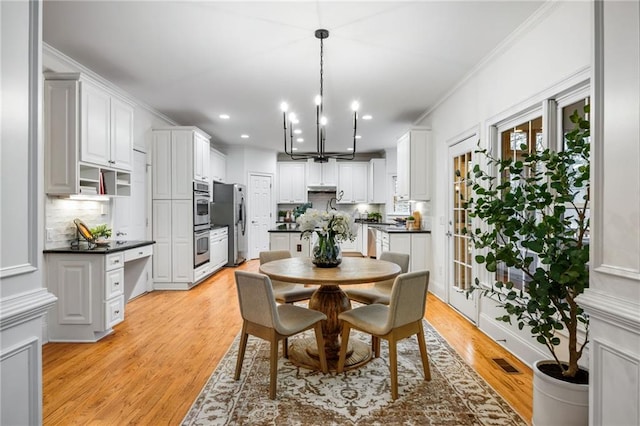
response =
{"points": [[103, 120], [90, 287], [322, 174], [88, 139], [173, 252], [90, 295], [416, 245], [376, 188], [201, 158], [291, 241], [352, 181], [420, 252], [174, 161], [219, 239], [413, 166], [292, 187], [106, 128], [182, 241], [161, 230], [353, 246], [218, 166]]}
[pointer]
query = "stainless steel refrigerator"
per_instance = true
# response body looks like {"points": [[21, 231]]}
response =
{"points": [[229, 208]]}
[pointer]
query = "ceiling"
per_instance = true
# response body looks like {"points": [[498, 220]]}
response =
{"points": [[193, 61]]}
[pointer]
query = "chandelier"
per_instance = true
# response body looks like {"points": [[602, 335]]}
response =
{"points": [[290, 120]]}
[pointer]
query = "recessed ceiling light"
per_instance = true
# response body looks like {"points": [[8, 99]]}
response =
{"points": [[367, 117], [358, 137], [224, 116], [244, 136], [297, 131], [300, 140], [350, 149], [294, 149]]}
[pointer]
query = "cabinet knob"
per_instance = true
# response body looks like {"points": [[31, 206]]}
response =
{"points": [[117, 312], [116, 261], [117, 283], [140, 252]]}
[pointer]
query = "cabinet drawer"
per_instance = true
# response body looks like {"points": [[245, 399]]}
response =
{"points": [[217, 233], [114, 283], [114, 260], [137, 253], [114, 311], [201, 272]]}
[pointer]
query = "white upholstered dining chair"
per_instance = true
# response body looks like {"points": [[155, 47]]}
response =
{"points": [[282, 291], [401, 319], [285, 292], [263, 318], [381, 291]]}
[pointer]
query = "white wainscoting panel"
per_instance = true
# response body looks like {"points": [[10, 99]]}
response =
{"points": [[20, 393], [613, 297]]}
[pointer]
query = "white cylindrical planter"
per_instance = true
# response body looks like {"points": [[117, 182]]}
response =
{"points": [[556, 402]]}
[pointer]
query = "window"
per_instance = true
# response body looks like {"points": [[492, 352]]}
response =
{"points": [[517, 141], [525, 134], [399, 206]]}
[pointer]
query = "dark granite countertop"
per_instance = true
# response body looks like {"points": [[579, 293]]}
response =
{"points": [[398, 229], [112, 247], [286, 227]]}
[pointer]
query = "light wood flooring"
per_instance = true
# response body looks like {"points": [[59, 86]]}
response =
{"points": [[150, 370]]}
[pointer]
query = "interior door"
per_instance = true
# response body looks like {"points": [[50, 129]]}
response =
{"points": [[460, 251], [260, 206]]}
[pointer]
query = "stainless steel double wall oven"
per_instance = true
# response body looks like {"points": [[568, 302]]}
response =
{"points": [[201, 224]]}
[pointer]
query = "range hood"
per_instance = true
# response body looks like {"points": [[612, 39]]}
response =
{"points": [[321, 188]]}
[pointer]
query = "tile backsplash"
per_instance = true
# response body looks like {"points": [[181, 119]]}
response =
{"points": [[60, 213], [320, 201]]}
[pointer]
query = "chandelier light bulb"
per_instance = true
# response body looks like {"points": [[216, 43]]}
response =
{"points": [[318, 100], [355, 105], [292, 117], [284, 107], [323, 120]]}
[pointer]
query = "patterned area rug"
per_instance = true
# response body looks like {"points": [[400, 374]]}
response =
{"points": [[456, 395]]}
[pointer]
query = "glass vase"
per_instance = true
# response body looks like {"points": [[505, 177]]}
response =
{"points": [[326, 253]]}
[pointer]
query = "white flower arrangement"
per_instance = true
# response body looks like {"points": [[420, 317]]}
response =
{"points": [[333, 225]]}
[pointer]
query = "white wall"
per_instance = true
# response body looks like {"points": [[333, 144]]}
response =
{"points": [[246, 160], [613, 297], [551, 51], [542, 55], [23, 300]]}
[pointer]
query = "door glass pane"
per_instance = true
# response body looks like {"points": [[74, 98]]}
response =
{"points": [[462, 256]]}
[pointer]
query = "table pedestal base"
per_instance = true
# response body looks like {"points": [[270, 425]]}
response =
{"points": [[301, 353], [330, 300]]}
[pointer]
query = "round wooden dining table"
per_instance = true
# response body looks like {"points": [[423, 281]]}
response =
{"points": [[330, 300]]}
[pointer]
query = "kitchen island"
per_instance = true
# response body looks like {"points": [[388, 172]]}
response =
{"points": [[415, 243], [287, 236], [93, 283]]}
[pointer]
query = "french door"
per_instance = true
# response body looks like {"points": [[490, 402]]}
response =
{"points": [[460, 250]]}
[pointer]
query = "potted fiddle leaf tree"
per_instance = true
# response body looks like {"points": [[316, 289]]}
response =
{"points": [[532, 215]]}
